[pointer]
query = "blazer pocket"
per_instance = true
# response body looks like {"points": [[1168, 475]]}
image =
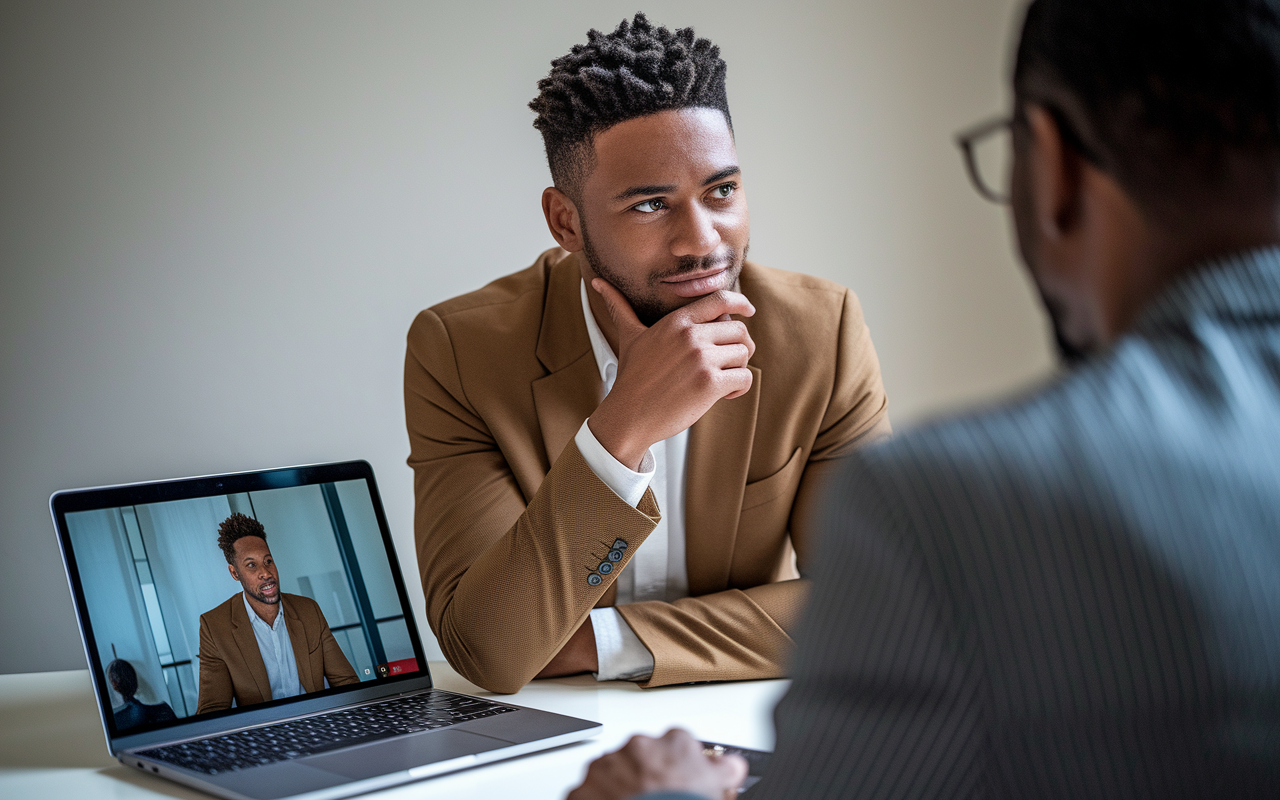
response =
{"points": [[757, 493]]}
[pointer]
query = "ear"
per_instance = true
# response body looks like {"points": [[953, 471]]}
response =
{"points": [[235, 576], [1056, 172], [562, 219]]}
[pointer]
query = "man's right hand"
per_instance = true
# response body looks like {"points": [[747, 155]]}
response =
{"points": [[671, 374], [674, 763]]}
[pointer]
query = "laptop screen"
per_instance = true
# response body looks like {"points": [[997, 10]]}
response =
{"points": [[206, 597]]}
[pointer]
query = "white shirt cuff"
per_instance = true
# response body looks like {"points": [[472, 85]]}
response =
{"points": [[622, 656], [626, 484]]}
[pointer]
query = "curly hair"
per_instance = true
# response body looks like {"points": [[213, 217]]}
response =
{"points": [[234, 528], [637, 70], [1171, 90]]}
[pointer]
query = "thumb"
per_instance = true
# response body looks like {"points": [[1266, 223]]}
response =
{"points": [[733, 770], [624, 317]]}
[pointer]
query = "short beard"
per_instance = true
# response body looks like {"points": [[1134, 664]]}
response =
{"points": [[1069, 353], [261, 598], [648, 308]]}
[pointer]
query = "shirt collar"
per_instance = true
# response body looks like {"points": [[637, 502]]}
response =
{"points": [[255, 619], [1241, 286], [606, 361]]}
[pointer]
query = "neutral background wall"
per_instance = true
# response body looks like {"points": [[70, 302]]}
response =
{"points": [[217, 221]]}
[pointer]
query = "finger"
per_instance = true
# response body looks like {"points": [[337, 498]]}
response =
{"points": [[620, 311], [730, 356], [681, 740], [732, 332], [735, 383], [718, 304], [732, 769]]}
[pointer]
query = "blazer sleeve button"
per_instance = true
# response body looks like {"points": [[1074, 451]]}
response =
{"points": [[619, 544], [615, 556], [605, 567], [594, 579]]}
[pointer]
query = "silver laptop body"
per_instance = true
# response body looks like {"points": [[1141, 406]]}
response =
{"points": [[144, 564]]}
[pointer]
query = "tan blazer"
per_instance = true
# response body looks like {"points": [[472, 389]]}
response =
{"points": [[231, 664], [510, 521]]}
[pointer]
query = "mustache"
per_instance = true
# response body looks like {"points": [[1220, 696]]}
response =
{"points": [[689, 264]]}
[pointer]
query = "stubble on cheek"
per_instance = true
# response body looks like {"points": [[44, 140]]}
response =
{"points": [[645, 300]]}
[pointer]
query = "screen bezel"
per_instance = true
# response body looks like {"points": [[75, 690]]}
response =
{"points": [[71, 501]]}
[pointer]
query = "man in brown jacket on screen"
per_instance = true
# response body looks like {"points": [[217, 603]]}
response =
{"points": [[263, 644], [614, 448]]}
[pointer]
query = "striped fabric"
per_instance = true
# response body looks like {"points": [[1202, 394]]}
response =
{"points": [[1073, 595]]}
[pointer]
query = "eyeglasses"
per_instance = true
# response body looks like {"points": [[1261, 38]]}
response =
{"points": [[988, 157]]}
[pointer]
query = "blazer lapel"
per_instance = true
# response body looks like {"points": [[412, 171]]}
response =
{"points": [[719, 443], [715, 476], [298, 642], [245, 639], [571, 391]]}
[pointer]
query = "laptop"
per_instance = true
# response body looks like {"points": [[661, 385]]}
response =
{"points": [[180, 668]]}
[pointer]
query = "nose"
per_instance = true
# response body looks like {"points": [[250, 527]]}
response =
{"points": [[696, 233]]}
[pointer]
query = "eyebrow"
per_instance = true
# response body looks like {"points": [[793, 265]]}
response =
{"points": [[722, 174], [640, 191]]}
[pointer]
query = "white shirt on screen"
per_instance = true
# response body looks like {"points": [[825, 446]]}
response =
{"points": [[277, 652]]}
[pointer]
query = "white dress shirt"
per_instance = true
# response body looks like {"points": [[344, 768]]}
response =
{"points": [[657, 569], [277, 652]]}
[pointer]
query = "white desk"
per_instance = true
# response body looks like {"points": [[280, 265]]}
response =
{"points": [[51, 743]]}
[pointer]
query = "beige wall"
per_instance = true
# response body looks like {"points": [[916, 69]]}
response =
{"points": [[218, 219]]}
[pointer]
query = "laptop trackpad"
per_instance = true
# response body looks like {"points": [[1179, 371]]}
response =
{"points": [[397, 755]]}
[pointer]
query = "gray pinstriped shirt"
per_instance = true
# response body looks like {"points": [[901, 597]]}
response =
{"points": [[1075, 594]]}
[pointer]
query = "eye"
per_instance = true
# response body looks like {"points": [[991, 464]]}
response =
{"points": [[649, 206], [724, 190]]}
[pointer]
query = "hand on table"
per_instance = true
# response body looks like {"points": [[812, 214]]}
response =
{"points": [[576, 656], [674, 763], [671, 374]]}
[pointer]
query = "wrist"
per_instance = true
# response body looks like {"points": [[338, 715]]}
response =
{"points": [[588, 657], [613, 435]]}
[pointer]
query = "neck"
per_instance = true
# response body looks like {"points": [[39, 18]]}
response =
{"points": [[266, 611], [1173, 249]]}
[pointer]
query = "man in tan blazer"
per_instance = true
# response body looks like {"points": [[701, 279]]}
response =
{"points": [[284, 649], [615, 449]]}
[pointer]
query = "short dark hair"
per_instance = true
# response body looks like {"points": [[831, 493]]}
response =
{"points": [[234, 528], [637, 70], [123, 677], [1172, 91]]}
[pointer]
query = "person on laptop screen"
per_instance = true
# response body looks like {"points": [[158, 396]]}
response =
{"points": [[132, 713], [612, 448], [262, 644]]}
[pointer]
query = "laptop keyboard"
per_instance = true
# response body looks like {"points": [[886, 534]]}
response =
{"points": [[318, 734]]}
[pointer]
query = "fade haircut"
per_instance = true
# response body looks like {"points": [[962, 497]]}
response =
{"points": [[234, 528], [1179, 97], [637, 70]]}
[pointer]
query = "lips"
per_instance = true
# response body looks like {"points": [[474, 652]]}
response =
{"points": [[268, 588], [700, 283]]}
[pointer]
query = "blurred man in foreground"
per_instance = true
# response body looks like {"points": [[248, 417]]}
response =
{"points": [[1077, 593]]}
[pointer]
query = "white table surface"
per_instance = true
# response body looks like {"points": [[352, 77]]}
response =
{"points": [[52, 746]]}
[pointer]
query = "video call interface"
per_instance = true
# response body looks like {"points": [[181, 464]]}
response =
{"points": [[149, 572]]}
